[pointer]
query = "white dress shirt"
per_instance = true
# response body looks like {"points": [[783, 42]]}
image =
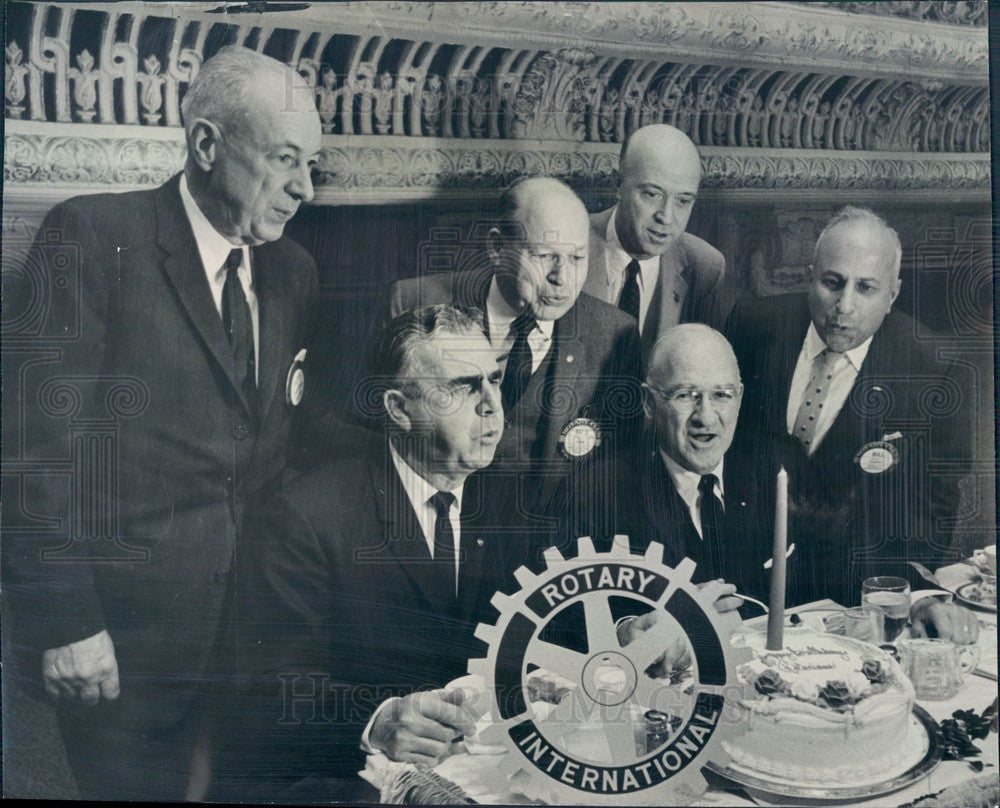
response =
{"points": [[214, 249], [686, 483], [419, 491], [500, 316], [845, 372], [616, 261]]}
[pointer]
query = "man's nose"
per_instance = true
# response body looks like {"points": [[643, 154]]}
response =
{"points": [[300, 186], [490, 401], [846, 301], [559, 274]]}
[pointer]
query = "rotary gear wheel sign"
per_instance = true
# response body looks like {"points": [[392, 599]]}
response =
{"points": [[591, 743]]}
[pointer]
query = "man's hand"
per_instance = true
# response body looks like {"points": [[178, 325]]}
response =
{"points": [[675, 658], [949, 621], [86, 670], [420, 728], [723, 592]]}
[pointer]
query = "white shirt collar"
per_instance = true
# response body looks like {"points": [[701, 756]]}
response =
{"points": [[417, 488], [213, 247], [814, 345], [617, 258], [687, 481], [500, 315]]}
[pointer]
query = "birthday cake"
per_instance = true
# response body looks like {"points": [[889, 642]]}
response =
{"points": [[824, 708]]}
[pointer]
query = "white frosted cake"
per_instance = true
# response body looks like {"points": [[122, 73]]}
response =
{"points": [[823, 709]]}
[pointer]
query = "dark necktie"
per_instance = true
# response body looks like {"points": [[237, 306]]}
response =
{"points": [[238, 325], [628, 300], [711, 527], [444, 537], [518, 370]]}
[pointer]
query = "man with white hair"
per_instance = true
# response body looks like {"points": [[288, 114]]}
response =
{"points": [[848, 395], [177, 338], [641, 258]]}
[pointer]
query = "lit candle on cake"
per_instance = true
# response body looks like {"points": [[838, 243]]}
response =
{"points": [[776, 613]]}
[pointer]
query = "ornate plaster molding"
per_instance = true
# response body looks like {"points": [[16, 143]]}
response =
{"points": [[768, 75], [51, 161]]}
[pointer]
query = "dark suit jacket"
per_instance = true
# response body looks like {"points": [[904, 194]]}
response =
{"points": [[689, 288], [143, 449], [849, 524], [634, 495], [340, 584], [591, 370]]}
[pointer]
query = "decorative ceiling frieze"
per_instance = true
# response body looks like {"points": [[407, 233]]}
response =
{"points": [[434, 88]]}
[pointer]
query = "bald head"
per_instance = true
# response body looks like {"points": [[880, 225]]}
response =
{"points": [[540, 254], [692, 395], [659, 173], [855, 278]]}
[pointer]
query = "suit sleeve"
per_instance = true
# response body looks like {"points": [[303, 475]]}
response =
{"points": [[713, 299], [47, 550], [293, 699]]}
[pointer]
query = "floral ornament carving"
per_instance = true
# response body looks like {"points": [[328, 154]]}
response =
{"points": [[553, 96], [151, 96], [85, 79], [14, 89]]}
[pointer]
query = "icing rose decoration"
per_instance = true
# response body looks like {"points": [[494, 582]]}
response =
{"points": [[837, 695], [858, 685], [769, 682], [873, 670]]}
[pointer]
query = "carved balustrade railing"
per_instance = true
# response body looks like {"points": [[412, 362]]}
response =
{"points": [[746, 79]]}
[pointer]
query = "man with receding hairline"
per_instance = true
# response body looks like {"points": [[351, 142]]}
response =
{"points": [[843, 391], [188, 298], [571, 363], [641, 258]]}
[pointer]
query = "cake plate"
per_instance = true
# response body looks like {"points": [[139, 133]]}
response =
{"points": [[815, 791]]}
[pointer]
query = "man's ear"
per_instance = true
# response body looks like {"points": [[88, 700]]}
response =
{"points": [[896, 286], [203, 143], [648, 404], [494, 242], [396, 408]]}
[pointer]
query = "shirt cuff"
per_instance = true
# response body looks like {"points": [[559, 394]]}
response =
{"points": [[366, 746]]}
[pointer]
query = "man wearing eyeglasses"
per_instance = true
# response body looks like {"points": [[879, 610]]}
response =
{"points": [[683, 488], [571, 362]]}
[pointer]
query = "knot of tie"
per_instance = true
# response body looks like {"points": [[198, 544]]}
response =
{"points": [[233, 260], [706, 485], [442, 502]]}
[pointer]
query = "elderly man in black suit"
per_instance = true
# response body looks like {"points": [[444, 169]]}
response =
{"points": [[186, 310], [869, 424], [642, 260], [369, 573], [571, 363], [683, 487]]}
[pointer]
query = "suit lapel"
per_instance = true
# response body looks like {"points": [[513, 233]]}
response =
{"points": [[596, 283], [186, 275], [278, 320], [402, 533], [569, 354]]}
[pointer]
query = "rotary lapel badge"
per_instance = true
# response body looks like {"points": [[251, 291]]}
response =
{"points": [[629, 726], [579, 438], [295, 381]]}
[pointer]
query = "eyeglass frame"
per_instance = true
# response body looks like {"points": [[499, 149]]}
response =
{"points": [[699, 399]]}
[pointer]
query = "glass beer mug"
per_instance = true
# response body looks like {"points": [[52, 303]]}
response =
{"points": [[936, 667]]}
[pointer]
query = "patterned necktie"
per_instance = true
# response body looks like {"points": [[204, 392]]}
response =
{"points": [[711, 526], [814, 397], [628, 300], [518, 370], [238, 325], [444, 538]]}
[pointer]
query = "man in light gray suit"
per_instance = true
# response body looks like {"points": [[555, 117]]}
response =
{"points": [[641, 258]]}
